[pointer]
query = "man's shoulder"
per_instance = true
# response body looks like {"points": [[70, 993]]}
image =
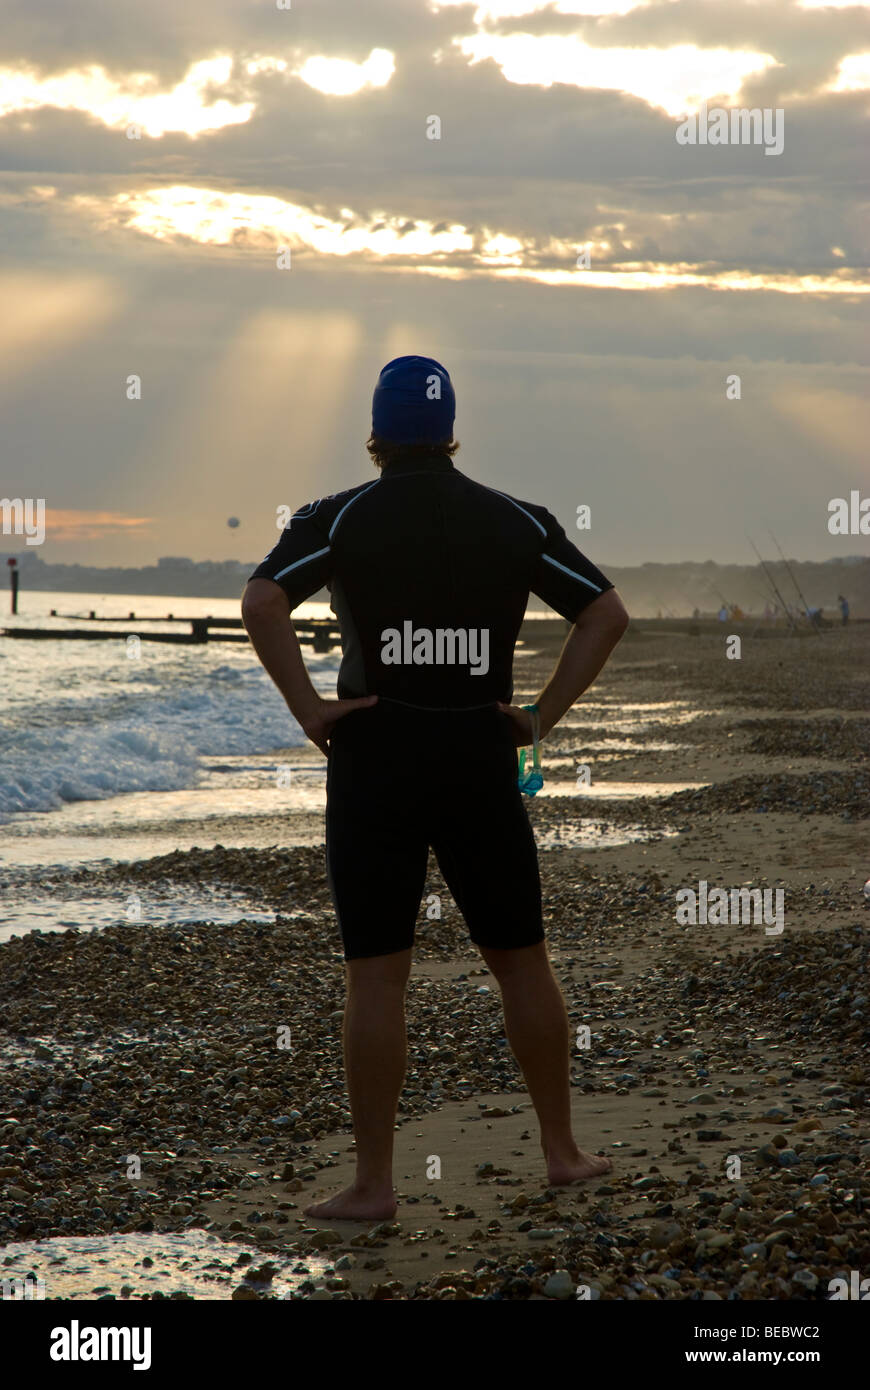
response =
{"points": [[326, 510], [535, 513]]}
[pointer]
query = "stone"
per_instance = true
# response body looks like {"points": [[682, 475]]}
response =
{"points": [[789, 1159], [663, 1233], [321, 1240], [559, 1285]]}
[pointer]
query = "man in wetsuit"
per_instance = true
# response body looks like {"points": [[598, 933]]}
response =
{"points": [[430, 573]]}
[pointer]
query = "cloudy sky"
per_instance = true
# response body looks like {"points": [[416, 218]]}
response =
{"points": [[590, 282]]}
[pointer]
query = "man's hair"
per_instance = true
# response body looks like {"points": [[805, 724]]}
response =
{"points": [[386, 451]]}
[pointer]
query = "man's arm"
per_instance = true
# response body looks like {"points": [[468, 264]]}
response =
{"points": [[591, 640], [266, 616]]}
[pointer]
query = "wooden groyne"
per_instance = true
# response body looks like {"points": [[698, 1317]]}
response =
{"points": [[321, 633]]}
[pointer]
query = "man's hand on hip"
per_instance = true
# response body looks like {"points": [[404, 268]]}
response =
{"points": [[521, 723], [318, 725]]}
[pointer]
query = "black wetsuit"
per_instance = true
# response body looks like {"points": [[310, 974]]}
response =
{"points": [[430, 573]]}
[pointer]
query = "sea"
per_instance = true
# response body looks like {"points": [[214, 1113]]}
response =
{"points": [[117, 750]]}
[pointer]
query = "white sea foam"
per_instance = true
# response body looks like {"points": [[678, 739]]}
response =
{"points": [[80, 722]]}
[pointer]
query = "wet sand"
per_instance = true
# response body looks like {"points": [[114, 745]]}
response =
{"points": [[710, 1043]]}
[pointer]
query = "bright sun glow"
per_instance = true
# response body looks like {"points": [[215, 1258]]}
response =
{"points": [[215, 218], [263, 224], [257, 65], [134, 100], [676, 79], [853, 74], [338, 77], [193, 106]]}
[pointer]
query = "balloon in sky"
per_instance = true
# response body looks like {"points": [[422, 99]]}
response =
{"points": [[233, 522]]}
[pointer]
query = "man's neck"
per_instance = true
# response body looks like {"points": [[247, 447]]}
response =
{"points": [[436, 461]]}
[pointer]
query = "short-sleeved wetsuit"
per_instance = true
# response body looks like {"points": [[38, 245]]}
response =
{"points": [[430, 573]]}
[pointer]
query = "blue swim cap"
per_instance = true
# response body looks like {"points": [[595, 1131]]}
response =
{"points": [[413, 400]]}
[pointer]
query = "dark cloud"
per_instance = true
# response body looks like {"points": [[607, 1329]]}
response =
{"points": [[606, 396]]}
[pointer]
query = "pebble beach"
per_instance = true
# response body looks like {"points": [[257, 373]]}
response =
{"points": [[172, 1095]]}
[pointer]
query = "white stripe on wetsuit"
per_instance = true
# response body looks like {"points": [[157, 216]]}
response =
{"points": [[325, 551], [572, 573], [350, 504], [548, 558], [304, 561], [542, 529]]}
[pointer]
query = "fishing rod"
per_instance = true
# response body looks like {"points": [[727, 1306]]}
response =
{"points": [[714, 589], [691, 601], [772, 582], [768, 598], [793, 580], [773, 592]]}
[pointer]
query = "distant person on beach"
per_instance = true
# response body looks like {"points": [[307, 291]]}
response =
{"points": [[723, 614], [430, 573], [844, 608]]}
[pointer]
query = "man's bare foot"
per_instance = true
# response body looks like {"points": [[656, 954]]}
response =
{"points": [[562, 1171], [356, 1204]]}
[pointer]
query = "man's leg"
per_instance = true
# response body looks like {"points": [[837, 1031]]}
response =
{"points": [[536, 1022], [374, 1058]]}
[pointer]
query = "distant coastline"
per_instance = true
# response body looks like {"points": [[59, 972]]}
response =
{"points": [[649, 590]]}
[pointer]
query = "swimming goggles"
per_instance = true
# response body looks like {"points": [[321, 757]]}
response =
{"points": [[531, 782]]}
